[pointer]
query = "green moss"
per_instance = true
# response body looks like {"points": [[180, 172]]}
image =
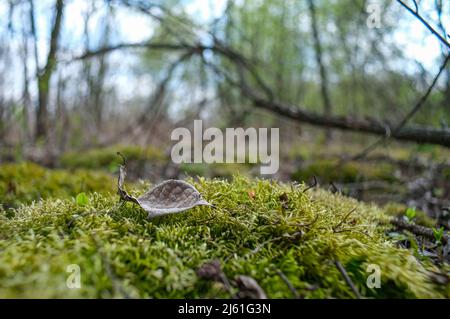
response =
{"points": [[26, 182], [446, 173], [310, 150], [108, 159], [215, 170], [120, 253], [332, 171]]}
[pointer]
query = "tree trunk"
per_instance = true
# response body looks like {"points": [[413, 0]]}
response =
{"points": [[44, 77], [319, 58], [26, 90]]}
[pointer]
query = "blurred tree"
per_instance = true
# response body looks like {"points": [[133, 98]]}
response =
{"points": [[44, 75]]}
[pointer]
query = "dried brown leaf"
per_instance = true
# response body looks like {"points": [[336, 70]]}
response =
{"points": [[169, 197]]}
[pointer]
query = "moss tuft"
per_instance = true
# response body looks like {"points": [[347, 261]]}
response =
{"points": [[329, 170], [25, 182], [215, 170], [106, 158]]}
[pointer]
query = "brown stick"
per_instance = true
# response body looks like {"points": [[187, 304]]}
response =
{"points": [[417, 229], [288, 283], [347, 278]]}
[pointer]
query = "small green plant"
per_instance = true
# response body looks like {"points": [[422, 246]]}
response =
{"points": [[438, 234], [410, 213], [82, 199]]}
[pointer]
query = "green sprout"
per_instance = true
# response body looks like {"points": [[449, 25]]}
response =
{"points": [[410, 213], [438, 234], [82, 199]]}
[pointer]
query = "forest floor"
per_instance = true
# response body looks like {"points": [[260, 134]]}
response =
{"points": [[320, 232]]}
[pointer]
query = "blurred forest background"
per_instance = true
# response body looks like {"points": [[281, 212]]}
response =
{"points": [[83, 79]]}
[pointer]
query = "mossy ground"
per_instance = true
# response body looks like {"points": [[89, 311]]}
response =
{"points": [[311, 150], [215, 170], [330, 170], [257, 228], [22, 183], [106, 158]]}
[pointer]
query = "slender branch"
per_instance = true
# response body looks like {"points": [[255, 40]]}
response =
{"points": [[288, 283], [124, 46], [347, 279], [421, 19], [408, 116]]}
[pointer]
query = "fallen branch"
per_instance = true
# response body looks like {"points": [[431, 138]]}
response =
{"points": [[418, 134], [408, 116]]}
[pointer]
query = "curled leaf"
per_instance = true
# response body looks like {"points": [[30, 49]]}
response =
{"points": [[168, 197]]}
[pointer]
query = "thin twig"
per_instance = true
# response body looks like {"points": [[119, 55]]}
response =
{"points": [[314, 184], [408, 116], [335, 189], [343, 220], [288, 283], [347, 278], [429, 27], [124, 196]]}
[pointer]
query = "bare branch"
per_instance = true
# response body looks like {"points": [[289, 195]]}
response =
{"points": [[416, 134], [408, 116], [425, 23], [347, 278]]}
